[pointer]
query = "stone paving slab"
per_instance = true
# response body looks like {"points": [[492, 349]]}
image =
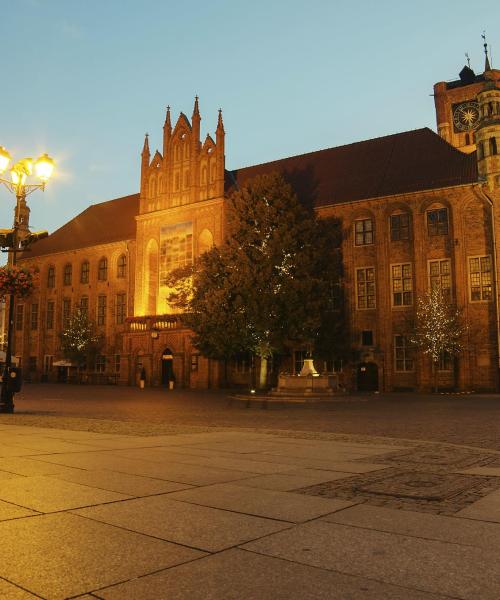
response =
{"points": [[168, 470], [285, 482], [284, 506], [123, 483], [437, 567], [241, 575], [486, 509], [421, 525], [46, 494], [12, 511], [32, 466], [486, 471], [12, 592], [7, 451], [232, 462], [199, 527], [63, 555]]}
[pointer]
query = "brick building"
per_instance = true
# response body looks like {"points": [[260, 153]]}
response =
{"points": [[418, 209]]}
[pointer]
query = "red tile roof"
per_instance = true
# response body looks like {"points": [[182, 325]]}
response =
{"points": [[394, 164], [102, 223]]}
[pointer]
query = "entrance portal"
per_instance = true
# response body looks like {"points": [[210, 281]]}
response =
{"points": [[367, 377], [167, 367]]}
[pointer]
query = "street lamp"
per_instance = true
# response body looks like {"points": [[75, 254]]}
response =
{"points": [[19, 238]]}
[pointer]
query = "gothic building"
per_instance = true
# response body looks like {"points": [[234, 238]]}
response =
{"points": [[418, 209]]}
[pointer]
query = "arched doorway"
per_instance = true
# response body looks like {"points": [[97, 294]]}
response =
{"points": [[367, 377], [167, 367]]}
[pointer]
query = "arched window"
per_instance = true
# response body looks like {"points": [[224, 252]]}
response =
{"points": [[51, 277], [102, 269], [204, 176], [400, 227], [84, 306], [121, 266], [152, 186], [177, 182], [67, 274], [205, 241], [84, 272]]}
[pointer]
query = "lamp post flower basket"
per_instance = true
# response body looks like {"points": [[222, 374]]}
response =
{"points": [[18, 281]]}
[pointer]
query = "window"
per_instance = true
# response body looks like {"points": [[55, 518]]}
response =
{"points": [[84, 305], [241, 363], [34, 317], [67, 274], [48, 359], [402, 285], [493, 146], [50, 315], [194, 362], [102, 269], [403, 354], [363, 232], [445, 361], [84, 272], [121, 266], [100, 363], [400, 227], [121, 308], [117, 363], [19, 317], [66, 312], [101, 310], [440, 276], [333, 365], [51, 277], [367, 338], [365, 288], [437, 221], [480, 278]]}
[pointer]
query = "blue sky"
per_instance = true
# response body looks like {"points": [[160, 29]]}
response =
{"points": [[84, 81]]}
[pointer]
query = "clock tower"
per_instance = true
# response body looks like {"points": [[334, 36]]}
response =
{"points": [[457, 106]]}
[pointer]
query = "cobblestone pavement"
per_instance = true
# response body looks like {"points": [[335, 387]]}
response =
{"points": [[469, 420]]}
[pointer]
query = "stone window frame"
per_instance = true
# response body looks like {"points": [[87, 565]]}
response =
{"points": [[102, 302], [403, 278], [404, 361], [364, 235], [102, 269], [363, 284], [66, 312], [51, 276], [120, 308], [49, 317], [85, 272], [19, 321], [83, 305], [121, 266], [34, 316], [482, 285], [439, 279], [396, 218], [440, 226], [67, 274]]}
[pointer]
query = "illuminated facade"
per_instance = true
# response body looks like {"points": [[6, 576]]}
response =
{"points": [[418, 209]]}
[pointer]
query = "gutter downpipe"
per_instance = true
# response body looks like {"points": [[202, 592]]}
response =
{"points": [[484, 195]]}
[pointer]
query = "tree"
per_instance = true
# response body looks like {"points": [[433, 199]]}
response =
{"points": [[79, 340], [439, 328], [269, 283]]}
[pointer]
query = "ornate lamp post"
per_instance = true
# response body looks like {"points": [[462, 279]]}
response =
{"points": [[19, 238]]}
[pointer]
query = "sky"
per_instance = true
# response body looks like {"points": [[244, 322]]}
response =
{"points": [[84, 81]]}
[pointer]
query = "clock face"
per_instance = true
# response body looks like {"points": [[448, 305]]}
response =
{"points": [[465, 116]]}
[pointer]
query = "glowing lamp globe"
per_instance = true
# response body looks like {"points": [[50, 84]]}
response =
{"points": [[5, 159], [44, 167], [18, 177]]}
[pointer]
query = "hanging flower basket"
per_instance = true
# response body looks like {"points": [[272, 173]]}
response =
{"points": [[18, 281]]}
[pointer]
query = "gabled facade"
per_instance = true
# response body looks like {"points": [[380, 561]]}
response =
{"points": [[418, 209]]}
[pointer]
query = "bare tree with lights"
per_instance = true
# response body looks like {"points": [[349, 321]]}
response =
{"points": [[439, 328]]}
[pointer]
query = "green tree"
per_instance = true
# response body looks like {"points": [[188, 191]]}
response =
{"points": [[439, 328], [79, 342], [268, 286]]}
